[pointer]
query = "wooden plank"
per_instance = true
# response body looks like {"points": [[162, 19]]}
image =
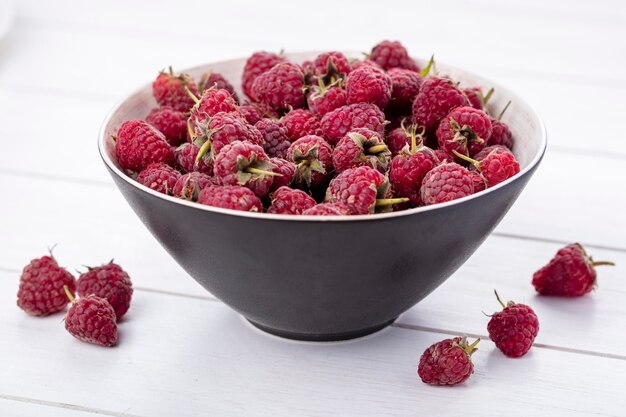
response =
{"points": [[211, 363], [11, 406]]}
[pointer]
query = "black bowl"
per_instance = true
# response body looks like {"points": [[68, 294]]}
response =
{"points": [[324, 278]]}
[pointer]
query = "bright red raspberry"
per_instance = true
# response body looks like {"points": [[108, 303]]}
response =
{"points": [[465, 130], [338, 122], [409, 168], [110, 282], [92, 319], [169, 90], [313, 158], [392, 54], [490, 149], [328, 209], [448, 362], [286, 200], [280, 88], [275, 136], [571, 273], [245, 164], [405, 84], [324, 99], [221, 129], [188, 186], [513, 329], [330, 64], [170, 122], [368, 85], [479, 181], [287, 171], [159, 177], [41, 287], [138, 144], [253, 112], [446, 182], [500, 134], [361, 147], [211, 102], [216, 80], [301, 122], [256, 65], [185, 156], [232, 197], [436, 99], [495, 167]]}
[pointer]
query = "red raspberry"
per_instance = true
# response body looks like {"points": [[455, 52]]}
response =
{"points": [[138, 144], [219, 130], [398, 138], [489, 149], [213, 101], [464, 130], [571, 273], [245, 164], [185, 156], [286, 200], [301, 122], [281, 87], [340, 121], [287, 171], [216, 80], [231, 197], [443, 156], [328, 209], [392, 54], [170, 122], [446, 182], [324, 99], [169, 90], [159, 177], [479, 181], [253, 112], [500, 134], [361, 147], [313, 158], [329, 64], [368, 85], [188, 186], [448, 362], [360, 63], [436, 98], [405, 84], [110, 282], [256, 65], [92, 319], [41, 287], [495, 167], [275, 136], [513, 329]]}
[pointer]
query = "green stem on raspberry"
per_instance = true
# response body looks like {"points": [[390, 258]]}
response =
{"points": [[377, 149], [601, 263], [498, 298], [472, 348], [202, 151], [487, 96], [192, 95], [424, 72], [467, 158], [190, 128], [69, 294], [253, 170], [503, 110], [382, 202]]}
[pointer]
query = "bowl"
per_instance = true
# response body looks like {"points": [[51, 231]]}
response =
{"points": [[324, 278]]}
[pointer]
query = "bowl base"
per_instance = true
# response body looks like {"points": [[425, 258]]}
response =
{"points": [[325, 337]]}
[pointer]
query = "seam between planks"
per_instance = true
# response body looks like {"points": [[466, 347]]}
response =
{"points": [[66, 406]]}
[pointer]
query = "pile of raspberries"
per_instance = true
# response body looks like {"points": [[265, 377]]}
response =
{"points": [[331, 136]]}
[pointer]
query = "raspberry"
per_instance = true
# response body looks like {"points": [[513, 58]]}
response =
{"points": [[287, 171], [216, 80], [286, 200], [340, 121], [188, 186], [495, 167], [464, 130], [256, 65], [328, 209], [571, 273], [489, 149], [405, 84], [110, 282], [392, 54], [41, 287], [253, 112], [281, 87], [185, 156], [313, 157], [169, 90], [500, 134], [275, 136], [159, 177], [479, 181], [231, 197], [436, 98], [92, 319], [361, 147], [138, 144], [360, 63], [397, 139], [477, 99], [211, 102], [170, 122], [219, 130], [246, 164], [324, 99], [513, 329], [301, 122], [446, 182], [368, 85], [330, 64], [448, 362], [443, 156]]}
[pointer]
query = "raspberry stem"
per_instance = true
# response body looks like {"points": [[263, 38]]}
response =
{"points": [[202, 151], [69, 294], [486, 97], [192, 95], [601, 263], [377, 149], [499, 300], [424, 72], [503, 110], [472, 348], [467, 158], [253, 170], [382, 202]]}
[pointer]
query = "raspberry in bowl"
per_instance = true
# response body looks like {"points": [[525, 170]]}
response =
{"points": [[352, 248]]}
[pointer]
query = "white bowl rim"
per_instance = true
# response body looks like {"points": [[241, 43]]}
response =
{"points": [[308, 218]]}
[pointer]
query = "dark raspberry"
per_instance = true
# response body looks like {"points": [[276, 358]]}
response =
{"points": [[185, 156], [446, 182], [275, 136], [405, 84], [286, 200], [159, 177], [280, 88], [171, 90], [436, 98], [231, 197], [368, 85], [324, 99], [41, 287], [500, 134], [465, 130], [287, 171], [188, 186], [138, 144], [340, 121], [110, 282], [216, 80], [513, 329], [448, 362], [479, 181], [361, 147], [313, 158], [392, 54], [495, 167], [170, 122], [92, 319], [256, 65], [328, 209], [397, 139], [253, 112], [301, 122], [477, 99], [245, 164]]}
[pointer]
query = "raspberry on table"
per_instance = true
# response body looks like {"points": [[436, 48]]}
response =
{"points": [[91, 319], [233, 197], [275, 136], [171, 90], [361, 147], [340, 121], [301, 122], [513, 329], [172, 123], [328, 209], [465, 130], [108, 281], [313, 158], [446, 182], [287, 171], [280, 88], [368, 85], [138, 144], [448, 362], [216, 80], [436, 99], [287, 200], [188, 186], [257, 64], [159, 177], [392, 54]]}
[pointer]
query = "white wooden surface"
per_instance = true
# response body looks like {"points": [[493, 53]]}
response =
{"points": [[183, 353]]}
